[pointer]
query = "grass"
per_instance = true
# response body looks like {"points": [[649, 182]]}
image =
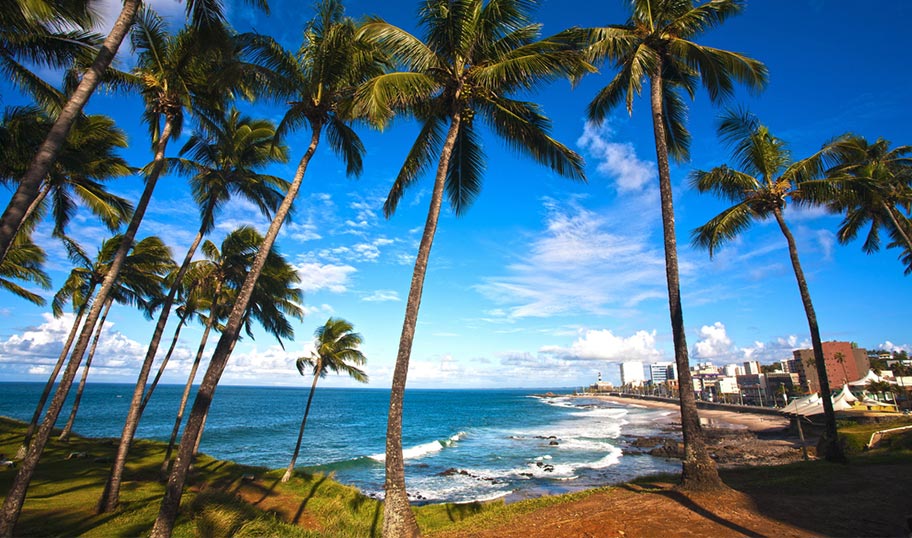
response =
{"points": [[226, 499]]}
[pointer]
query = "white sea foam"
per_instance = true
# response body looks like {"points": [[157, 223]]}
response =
{"points": [[424, 449]]}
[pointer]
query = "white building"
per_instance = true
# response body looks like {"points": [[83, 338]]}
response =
{"points": [[733, 370], [632, 373]]}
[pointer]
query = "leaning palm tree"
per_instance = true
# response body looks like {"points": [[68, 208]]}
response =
{"points": [[330, 62], [216, 279], [655, 46], [872, 185], [140, 285], [760, 184], [224, 162], [173, 73], [335, 350], [476, 56], [205, 16]]}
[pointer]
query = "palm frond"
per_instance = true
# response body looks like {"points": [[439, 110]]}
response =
{"points": [[427, 144], [464, 170], [723, 227]]}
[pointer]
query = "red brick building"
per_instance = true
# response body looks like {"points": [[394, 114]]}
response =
{"points": [[844, 361]]}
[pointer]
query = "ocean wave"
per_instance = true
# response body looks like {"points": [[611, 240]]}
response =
{"points": [[424, 449]]}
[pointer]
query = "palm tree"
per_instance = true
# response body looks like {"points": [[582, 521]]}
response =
{"points": [[173, 72], [224, 162], [872, 185], [87, 159], [206, 16], [475, 56], [330, 62], [139, 284], [215, 281], [655, 45], [760, 185], [336, 350]]}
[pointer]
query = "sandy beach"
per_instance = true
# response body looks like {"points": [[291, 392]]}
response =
{"points": [[734, 438]]}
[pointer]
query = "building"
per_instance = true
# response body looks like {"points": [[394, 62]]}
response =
{"points": [[661, 372], [751, 367], [844, 362], [632, 373], [732, 370]]}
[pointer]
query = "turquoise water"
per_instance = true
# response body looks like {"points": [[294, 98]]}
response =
{"points": [[459, 445]]}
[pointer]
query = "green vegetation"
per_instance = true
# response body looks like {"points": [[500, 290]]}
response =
{"points": [[226, 499]]}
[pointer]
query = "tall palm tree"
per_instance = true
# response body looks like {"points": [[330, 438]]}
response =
{"points": [[216, 280], [173, 72], [224, 162], [872, 185], [476, 55], [336, 350], [760, 184], [206, 16], [656, 46], [87, 160], [330, 62], [140, 285]]}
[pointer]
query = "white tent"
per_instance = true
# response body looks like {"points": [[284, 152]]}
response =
{"points": [[871, 376], [797, 407], [845, 395], [813, 404]]}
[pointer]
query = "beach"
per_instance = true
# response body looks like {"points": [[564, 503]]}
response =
{"points": [[733, 437]]}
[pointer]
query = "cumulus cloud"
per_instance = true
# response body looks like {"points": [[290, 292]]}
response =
{"points": [[890, 346], [604, 345], [616, 160], [317, 276], [37, 349], [582, 262], [713, 343]]}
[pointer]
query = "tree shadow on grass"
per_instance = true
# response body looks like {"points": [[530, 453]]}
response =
{"points": [[313, 491]]}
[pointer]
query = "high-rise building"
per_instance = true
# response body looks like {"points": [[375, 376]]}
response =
{"points": [[844, 363], [632, 373], [661, 372]]}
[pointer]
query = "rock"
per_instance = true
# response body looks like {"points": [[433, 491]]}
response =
{"points": [[553, 443]]}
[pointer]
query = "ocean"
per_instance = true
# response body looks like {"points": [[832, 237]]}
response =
{"points": [[459, 445]]}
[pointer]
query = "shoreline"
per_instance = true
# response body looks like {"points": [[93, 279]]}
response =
{"points": [[709, 418]]}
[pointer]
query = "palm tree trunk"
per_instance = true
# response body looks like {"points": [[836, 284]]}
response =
{"points": [[65, 434], [27, 190], [185, 397], [36, 203], [23, 448], [109, 501], [831, 448], [896, 226], [398, 519], [173, 490], [164, 363], [12, 505], [699, 471], [294, 457]]}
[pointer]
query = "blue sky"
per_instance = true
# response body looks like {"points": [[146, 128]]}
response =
{"points": [[545, 282]]}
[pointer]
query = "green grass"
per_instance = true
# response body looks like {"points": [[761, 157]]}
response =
{"points": [[64, 491]]}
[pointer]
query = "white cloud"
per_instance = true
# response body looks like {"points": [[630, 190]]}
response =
{"points": [[316, 276], [713, 343], [382, 295], [604, 345], [890, 346], [617, 161], [582, 262]]}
